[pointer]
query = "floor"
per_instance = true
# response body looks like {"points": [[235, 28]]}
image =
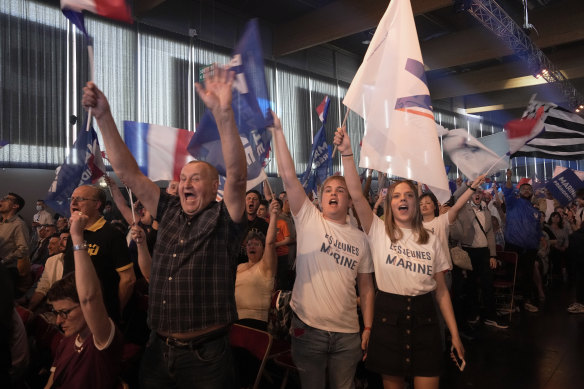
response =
{"points": [[543, 350]]}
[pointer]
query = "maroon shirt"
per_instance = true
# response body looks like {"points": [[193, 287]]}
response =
{"points": [[89, 368]]}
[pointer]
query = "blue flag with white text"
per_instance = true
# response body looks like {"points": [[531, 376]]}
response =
{"points": [[320, 161], [83, 166], [251, 106]]}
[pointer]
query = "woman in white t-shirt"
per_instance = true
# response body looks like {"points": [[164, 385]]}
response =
{"points": [[409, 264]]}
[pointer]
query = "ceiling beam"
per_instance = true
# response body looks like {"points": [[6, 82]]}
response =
{"points": [[337, 20], [557, 24], [508, 76]]}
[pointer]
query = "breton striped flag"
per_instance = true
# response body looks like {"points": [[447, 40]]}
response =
{"points": [[547, 131]]}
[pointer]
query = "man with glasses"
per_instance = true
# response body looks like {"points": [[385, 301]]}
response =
{"points": [[192, 282], [13, 234], [107, 248]]}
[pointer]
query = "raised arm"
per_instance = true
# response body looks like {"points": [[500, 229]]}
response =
{"points": [[118, 153], [144, 257], [460, 201], [119, 200], [88, 285], [352, 179], [269, 261], [217, 95], [293, 187]]}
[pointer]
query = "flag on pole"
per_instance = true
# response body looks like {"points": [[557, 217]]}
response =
{"points": [[323, 108], [83, 166], [390, 92], [471, 156], [111, 9], [251, 107], [161, 152], [546, 131]]}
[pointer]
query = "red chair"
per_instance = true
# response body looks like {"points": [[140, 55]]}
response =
{"points": [[505, 279], [257, 342]]}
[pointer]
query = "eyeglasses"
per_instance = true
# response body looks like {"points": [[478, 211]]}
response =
{"points": [[64, 313], [79, 199]]}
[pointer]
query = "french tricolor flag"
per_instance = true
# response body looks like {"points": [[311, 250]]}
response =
{"points": [[161, 152], [111, 9], [322, 109]]}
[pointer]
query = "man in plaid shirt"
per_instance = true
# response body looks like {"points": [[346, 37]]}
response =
{"points": [[192, 272]]}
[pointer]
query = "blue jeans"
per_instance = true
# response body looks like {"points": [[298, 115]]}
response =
{"points": [[316, 352], [207, 366]]}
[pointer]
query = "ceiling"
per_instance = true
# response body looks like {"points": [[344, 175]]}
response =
{"points": [[468, 67]]}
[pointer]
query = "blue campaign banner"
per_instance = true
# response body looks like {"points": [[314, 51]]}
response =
{"points": [[251, 106], [564, 186], [320, 158]]}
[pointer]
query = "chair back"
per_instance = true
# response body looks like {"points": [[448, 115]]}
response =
{"points": [[257, 342]]}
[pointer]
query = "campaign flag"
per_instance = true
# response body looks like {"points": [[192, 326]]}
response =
{"points": [[83, 166], [111, 9], [390, 92], [564, 186], [546, 131], [161, 152], [320, 158], [251, 107], [471, 156], [323, 108], [560, 169]]}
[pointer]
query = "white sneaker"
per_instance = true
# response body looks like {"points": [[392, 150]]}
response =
{"points": [[578, 309], [530, 307]]}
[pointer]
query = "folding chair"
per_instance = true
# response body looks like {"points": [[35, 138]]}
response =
{"points": [[257, 342], [505, 280]]}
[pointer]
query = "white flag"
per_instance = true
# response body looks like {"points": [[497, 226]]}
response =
{"points": [[471, 156], [390, 92]]}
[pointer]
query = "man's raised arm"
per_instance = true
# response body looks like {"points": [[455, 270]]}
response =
{"points": [[118, 153], [217, 94]]}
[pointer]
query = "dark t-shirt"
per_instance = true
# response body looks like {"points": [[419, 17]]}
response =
{"points": [[109, 254], [259, 225]]}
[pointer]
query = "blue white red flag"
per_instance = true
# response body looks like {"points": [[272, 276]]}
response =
{"points": [[161, 152], [111, 9], [83, 166], [251, 107], [320, 162], [323, 108], [471, 156], [391, 93]]}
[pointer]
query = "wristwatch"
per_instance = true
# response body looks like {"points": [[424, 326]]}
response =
{"points": [[82, 246]]}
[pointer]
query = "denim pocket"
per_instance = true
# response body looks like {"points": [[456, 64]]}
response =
{"points": [[212, 351]]}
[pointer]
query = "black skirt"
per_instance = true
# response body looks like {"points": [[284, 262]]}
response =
{"points": [[405, 337]]}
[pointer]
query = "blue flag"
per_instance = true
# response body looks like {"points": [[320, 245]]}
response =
{"points": [[83, 166], [320, 160], [251, 107], [564, 186]]}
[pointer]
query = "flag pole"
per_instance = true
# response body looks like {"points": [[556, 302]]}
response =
{"points": [[269, 187], [131, 205], [496, 162], [91, 74], [342, 125]]}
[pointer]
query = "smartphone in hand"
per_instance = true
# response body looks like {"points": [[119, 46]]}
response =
{"points": [[460, 363]]}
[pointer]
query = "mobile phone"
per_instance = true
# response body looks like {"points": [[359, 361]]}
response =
{"points": [[384, 191], [460, 363]]}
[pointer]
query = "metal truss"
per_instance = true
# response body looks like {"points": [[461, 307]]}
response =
{"points": [[494, 18]]}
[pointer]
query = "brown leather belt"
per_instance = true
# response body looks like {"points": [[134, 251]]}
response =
{"points": [[195, 342]]}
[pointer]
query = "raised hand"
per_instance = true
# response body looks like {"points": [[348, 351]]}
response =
{"points": [[274, 207], [342, 141], [277, 126], [95, 99], [216, 93]]}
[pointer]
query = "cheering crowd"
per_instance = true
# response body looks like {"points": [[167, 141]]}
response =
{"points": [[372, 278]]}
